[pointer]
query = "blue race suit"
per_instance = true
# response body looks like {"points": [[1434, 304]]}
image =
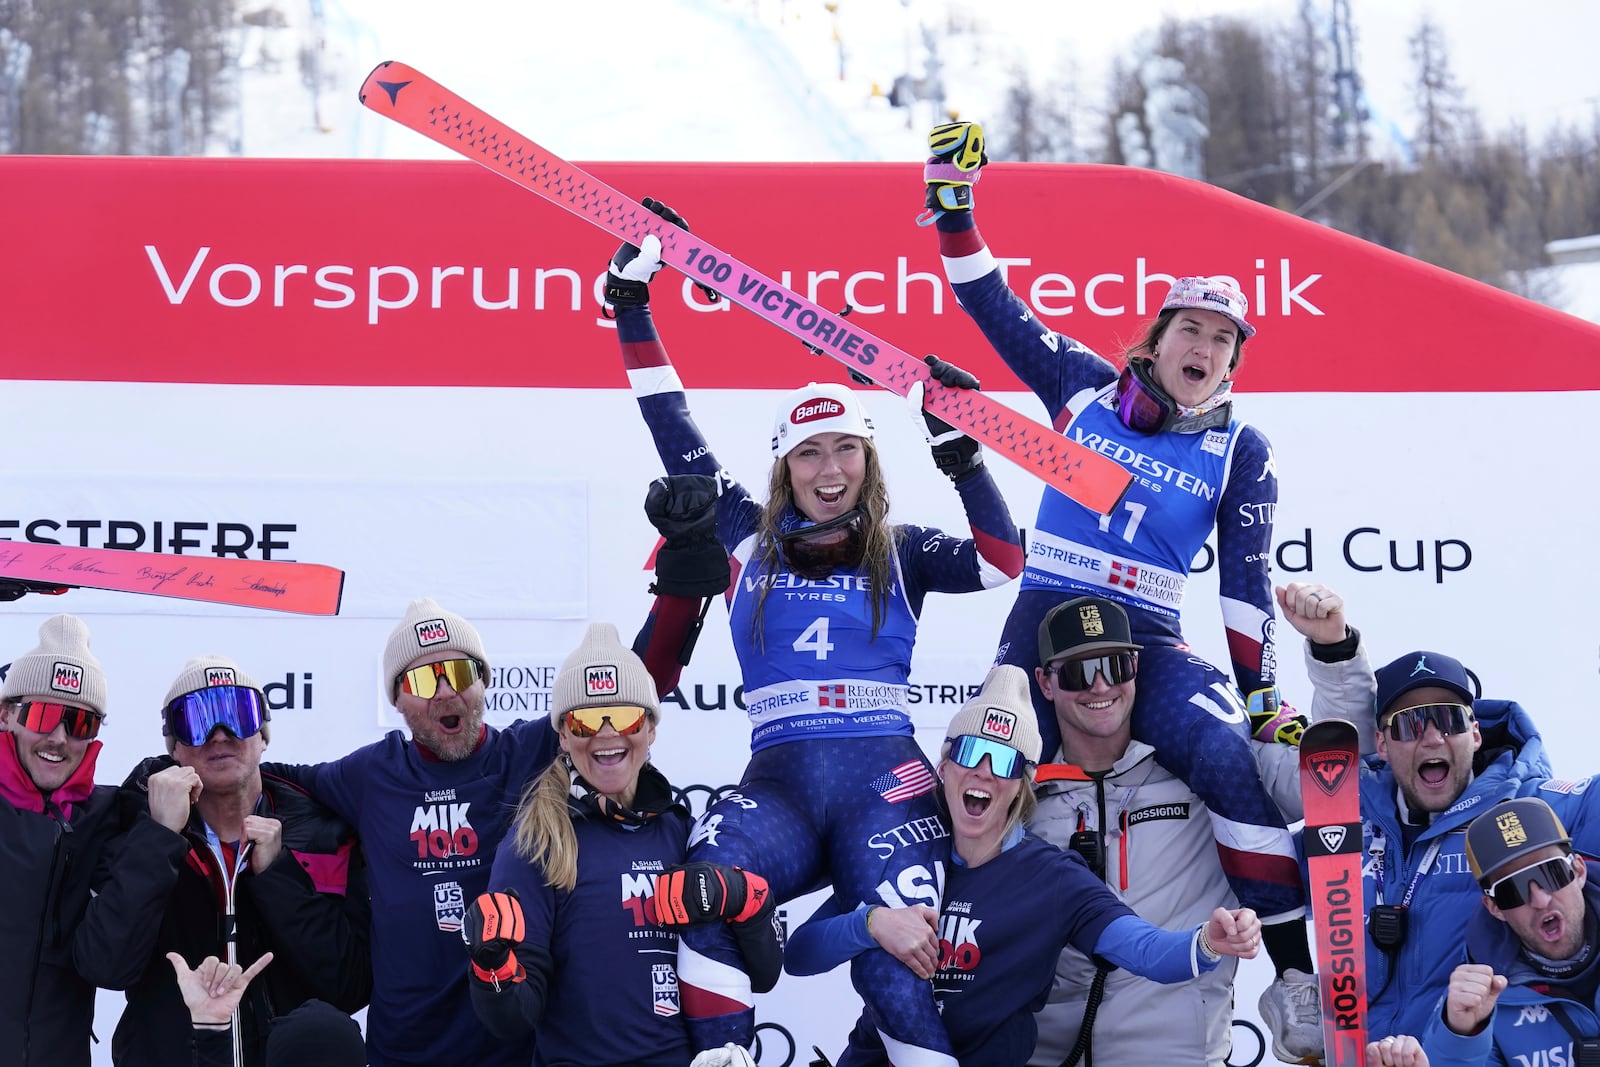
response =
{"points": [[837, 790], [1185, 485]]}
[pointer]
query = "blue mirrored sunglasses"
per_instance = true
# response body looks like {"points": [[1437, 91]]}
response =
{"points": [[193, 717], [1004, 761]]}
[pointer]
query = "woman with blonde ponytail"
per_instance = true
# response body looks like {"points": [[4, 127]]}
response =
{"points": [[566, 945]]}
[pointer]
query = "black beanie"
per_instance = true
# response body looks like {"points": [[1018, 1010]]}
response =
{"points": [[316, 1034]]}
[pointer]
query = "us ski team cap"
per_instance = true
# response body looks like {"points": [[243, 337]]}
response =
{"points": [[1211, 294], [61, 669], [817, 408], [428, 628], [1002, 711], [600, 673], [1417, 669], [1509, 830], [1082, 626]]}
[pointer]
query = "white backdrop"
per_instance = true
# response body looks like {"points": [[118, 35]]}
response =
{"points": [[520, 509]]}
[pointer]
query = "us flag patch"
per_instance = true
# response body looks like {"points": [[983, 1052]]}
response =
{"points": [[904, 782]]}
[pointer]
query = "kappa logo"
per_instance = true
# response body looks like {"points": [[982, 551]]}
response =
{"points": [[998, 722], [600, 680], [1328, 770], [1533, 1015], [432, 632], [1332, 837], [66, 678], [813, 410], [221, 676]]}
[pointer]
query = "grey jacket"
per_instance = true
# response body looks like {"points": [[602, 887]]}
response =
{"points": [[1161, 859]]}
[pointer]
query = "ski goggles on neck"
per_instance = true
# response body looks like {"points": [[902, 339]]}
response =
{"points": [[1076, 675], [423, 681], [624, 719], [1409, 724], [818, 550], [42, 717], [1516, 888], [1142, 405], [193, 717], [1004, 761]]}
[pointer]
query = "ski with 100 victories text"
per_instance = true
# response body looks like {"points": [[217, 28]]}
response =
{"points": [[1330, 788], [302, 588], [412, 99]]}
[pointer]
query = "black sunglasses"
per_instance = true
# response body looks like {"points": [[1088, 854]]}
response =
{"points": [[1516, 888], [1076, 675]]}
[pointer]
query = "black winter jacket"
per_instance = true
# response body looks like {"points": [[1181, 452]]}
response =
{"points": [[310, 909], [57, 942]]}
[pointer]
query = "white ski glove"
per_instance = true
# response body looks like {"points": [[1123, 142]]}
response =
{"points": [[729, 1055], [642, 267]]}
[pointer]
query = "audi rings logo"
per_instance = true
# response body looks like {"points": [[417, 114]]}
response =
{"points": [[781, 1038], [699, 798]]}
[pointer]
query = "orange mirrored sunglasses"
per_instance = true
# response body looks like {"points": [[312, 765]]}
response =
{"points": [[624, 718], [423, 681]]}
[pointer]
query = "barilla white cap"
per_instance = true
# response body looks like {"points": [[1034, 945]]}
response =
{"points": [[1211, 294], [818, 408]]}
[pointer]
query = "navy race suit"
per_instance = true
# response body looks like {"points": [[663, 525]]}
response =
{"points": [[1184, 486], [837, 789]]}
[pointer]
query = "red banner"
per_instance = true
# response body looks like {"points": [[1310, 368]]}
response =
{"points": [[423, 273]]}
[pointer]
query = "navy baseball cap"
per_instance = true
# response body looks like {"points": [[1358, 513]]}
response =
{"points": [[1417, 669]]}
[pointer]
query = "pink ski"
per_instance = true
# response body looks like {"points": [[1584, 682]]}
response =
{"points": [[302, 588], [412, 99]]}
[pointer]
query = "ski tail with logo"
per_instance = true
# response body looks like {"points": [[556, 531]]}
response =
{"points": [[414, 100], [1330, 788], [301, 588]]}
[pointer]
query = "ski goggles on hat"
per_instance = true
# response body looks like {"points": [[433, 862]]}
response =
{"points": [[818, 550], [42, 717], [1516, 888], [624, 718], [1004, 761], [1076, 675], [1409, 724], [193, 717], [423, 681]]}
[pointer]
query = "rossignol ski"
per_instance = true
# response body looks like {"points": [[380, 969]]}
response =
{"points": [[302, 588], [412, 99], [1330, 788]]}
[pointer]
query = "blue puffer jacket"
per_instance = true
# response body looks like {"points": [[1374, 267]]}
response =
{"points": [[1405, 985], [1523, 1028]]}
